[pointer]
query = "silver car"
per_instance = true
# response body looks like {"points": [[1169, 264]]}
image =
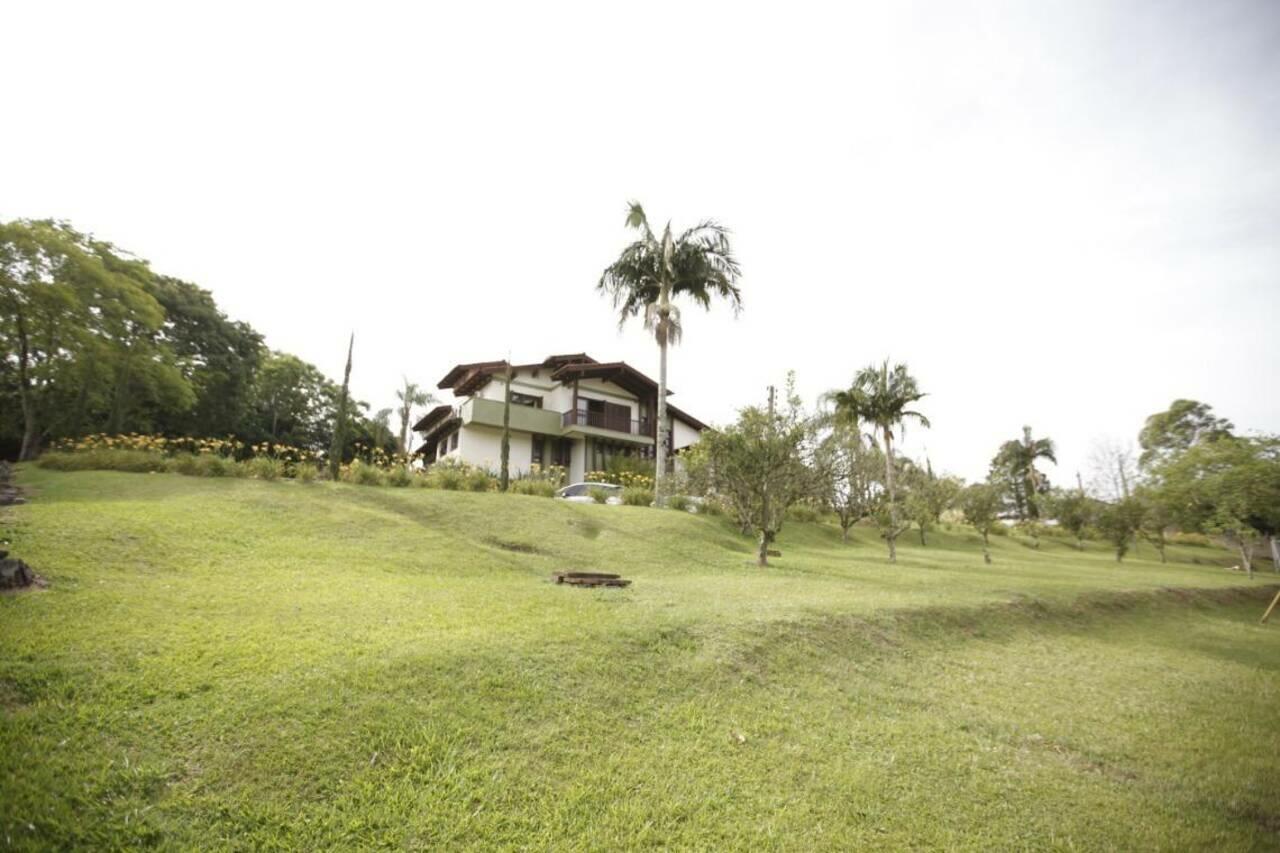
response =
{"points": [[581, 493]]}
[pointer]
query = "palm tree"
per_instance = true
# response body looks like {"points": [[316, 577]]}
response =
{"points": [[409, 396], [655, 269], [880, 397], [1019, 460]]}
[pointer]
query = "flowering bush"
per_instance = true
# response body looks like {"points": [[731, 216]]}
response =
{"points": [[626, 479]]}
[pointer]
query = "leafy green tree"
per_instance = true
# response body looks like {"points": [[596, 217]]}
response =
{"points": [[1183, 425], [1014, 468], [410, 396], [854, 467], [654, 270], [928, 497], [981, 504], [218, 357], [1118, 522], [295, 403], [881, 397], [1074, 511], [1228, 487], [761, 466], [79, 330], [1157, 518]]}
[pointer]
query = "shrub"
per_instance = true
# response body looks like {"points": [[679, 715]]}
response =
{"points": [[599, 495], [187, 464], [305, 473], [713, 506], [362, 474], [1196, 539], [480, 480], [264, 468], [400, 477], [540, 488], [636, 496], [679, 502], [105, 459], [209, 465], [448, 477]]}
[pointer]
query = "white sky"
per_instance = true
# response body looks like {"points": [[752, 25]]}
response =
{"points": [[1061, 214]]}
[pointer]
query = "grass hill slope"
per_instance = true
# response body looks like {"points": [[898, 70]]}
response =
{"points": [[231, 663]]}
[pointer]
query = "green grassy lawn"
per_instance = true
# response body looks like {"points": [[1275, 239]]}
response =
{"points": [[242, 664]]}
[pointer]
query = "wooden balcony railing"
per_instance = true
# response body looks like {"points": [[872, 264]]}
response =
{"points": [[616, 422]]}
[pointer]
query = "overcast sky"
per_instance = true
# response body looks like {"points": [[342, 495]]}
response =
{"points": [[1057, 214]]}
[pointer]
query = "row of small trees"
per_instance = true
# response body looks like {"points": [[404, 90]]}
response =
{"points": [[1195, 474]]}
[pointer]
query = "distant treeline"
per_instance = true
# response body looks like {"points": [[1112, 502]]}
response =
{"points": [[94, 341]]}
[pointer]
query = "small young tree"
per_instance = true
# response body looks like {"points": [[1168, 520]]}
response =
{"points": [[854, 467], [761, 465], [1118, 522], [1074, 511], [981, 503], [1157, 517], [928, 496]]}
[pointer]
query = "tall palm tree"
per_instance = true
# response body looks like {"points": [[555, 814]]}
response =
{"points": [[880, 396], [1020, 457], [409, 396], [651, 272]]}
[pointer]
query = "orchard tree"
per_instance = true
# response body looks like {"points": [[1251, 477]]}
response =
{"points": [[1157, 518], [928, 497], [1074, 511], [981, 504], [854, 467], [1228, 487], [761, 465], [1118, 522]]}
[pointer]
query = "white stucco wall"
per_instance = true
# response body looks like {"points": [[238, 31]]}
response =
{"points": [[482, 446], [682, 435]]}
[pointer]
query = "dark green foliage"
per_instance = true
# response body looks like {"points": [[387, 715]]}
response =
{"points": [[1184, 424]]}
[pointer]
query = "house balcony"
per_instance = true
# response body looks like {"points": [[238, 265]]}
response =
{"points": [[610, 421], [604, 424]]}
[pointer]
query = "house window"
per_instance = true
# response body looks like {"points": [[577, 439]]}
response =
{"points": [[561, 452], [538, 443], [518, 399], [453, 442]]}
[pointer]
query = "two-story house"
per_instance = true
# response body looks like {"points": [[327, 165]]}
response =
{"points": [[568, 410]]}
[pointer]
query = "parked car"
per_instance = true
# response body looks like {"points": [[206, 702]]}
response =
{"points": [[581, 493]]}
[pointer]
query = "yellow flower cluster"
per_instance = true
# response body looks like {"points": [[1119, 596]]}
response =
{"points": [[155, 443], [626, 479]]}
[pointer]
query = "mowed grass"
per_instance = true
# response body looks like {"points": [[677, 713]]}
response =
{"points": [[239, 664]]}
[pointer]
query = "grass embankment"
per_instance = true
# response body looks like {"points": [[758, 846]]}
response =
{"points": [[240, 664]]}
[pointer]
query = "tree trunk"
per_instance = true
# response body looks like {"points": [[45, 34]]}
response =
{"points": [[660, 434], [1246, 554], [1275, 553], [893, 507], [504, 474], [762, 557], [844, 533], [30, 421], [1080, 543], [339, 443], [922, 542]]}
